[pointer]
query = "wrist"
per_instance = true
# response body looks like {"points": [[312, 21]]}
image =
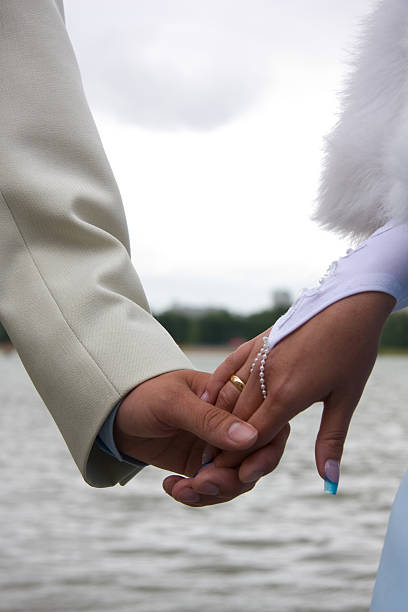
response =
{"points": [[121, 439], [375, 305]]}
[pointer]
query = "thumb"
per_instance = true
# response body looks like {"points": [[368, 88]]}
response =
{"points": [[211, 424], [330, 440]]}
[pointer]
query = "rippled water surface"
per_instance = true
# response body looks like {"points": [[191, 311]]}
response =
{"points": [[284, 547]]}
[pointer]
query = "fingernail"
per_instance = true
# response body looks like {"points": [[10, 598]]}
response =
{"points": [[205, 396], [208, 488], [208, 455], [188, 496], [331, 476], [242, 432], [254, 477]]}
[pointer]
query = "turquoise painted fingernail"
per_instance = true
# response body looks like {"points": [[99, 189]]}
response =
{"points": [[331, 476], [330, 486]]}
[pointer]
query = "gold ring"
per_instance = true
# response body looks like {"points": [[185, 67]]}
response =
{"points": [[237, 382]]}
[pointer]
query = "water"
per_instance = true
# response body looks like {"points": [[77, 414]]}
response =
{"points": [[284, 547]]}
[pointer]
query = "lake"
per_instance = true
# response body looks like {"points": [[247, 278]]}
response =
{"points": [[284, 547]]}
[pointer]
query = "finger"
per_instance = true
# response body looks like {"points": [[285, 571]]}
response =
{"points": [[227, 396], [336, 417], [225, 392], [248, 404], [207, 422], [226, 400], [212, 486], [209, 453], [226, 369], [186, 496], [244, 403], [265, 460], [268, 416], [219, 482], [169, 482], [268, 424]]}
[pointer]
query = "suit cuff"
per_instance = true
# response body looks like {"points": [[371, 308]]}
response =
{"points": [[106, 441]]}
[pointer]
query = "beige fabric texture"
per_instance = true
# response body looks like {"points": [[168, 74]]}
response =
{"points": [[70, 298]]}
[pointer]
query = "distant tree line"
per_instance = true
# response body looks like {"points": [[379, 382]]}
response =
{"points": [[395, 333], [221, 327], [214, 327]]}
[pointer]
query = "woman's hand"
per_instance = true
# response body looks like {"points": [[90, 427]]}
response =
{"points": [[327, 359]]}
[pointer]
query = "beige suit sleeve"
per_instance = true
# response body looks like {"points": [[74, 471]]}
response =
{"points": [[70, 298]]}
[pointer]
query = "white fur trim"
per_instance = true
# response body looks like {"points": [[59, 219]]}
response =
{"points": [[364, 182]]}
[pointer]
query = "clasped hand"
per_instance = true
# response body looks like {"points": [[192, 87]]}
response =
{"points": [[180, 420], [328, 359]]}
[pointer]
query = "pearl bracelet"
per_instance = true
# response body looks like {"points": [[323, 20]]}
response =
{"points": [[262, 355]]}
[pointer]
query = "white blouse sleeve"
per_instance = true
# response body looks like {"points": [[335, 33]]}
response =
{"points": [[380, 263]]}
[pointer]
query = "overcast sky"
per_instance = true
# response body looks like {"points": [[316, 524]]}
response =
{"points": [[212, 114]]}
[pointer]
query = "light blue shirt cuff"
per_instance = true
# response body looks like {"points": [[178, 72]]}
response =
{"points": [[106, 442]]}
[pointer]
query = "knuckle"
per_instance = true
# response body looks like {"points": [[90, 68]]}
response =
{"points": [[334, 435], [168, 396], [220, 375], [213, 419], [333, 440], [231, 361], [225, 399]]}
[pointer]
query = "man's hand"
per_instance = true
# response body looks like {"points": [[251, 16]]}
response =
{"points": [[327, 359], [164, 423]]}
